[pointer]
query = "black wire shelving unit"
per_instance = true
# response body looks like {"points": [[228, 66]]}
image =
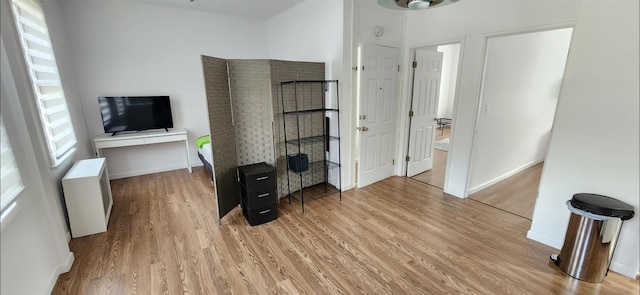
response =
{"points": [[301, 102]]}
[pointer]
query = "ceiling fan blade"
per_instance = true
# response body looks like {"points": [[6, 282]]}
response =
{"points": [[403, 3]]}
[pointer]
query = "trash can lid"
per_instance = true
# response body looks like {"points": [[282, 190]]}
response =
{"points": [[602, 205]]}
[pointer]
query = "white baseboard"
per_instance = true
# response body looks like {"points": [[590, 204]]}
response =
{"points": [[503, 177], [60, 269], [544, 239], [149, 171], [625, 270]]}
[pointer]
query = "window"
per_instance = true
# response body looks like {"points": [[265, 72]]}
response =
{"points": [[43, 72], [10, 182]]}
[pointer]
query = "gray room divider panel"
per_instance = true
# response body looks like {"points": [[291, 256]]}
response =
{"points": [[252, 113], [222, 134]]}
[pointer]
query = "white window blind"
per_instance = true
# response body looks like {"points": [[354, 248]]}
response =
{"points": [[47, 87], [11, 182]]}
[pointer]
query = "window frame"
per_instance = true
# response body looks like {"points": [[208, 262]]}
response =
{"points": [[58, 133]]}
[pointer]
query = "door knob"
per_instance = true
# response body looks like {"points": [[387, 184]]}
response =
{"points": [[365, 128]]}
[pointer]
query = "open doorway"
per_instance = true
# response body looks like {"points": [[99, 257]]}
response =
{"points": [[443, 115], [520, 88]]}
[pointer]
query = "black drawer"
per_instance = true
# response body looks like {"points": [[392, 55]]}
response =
{"points": [[257, 177], [260, 215], [259, 199]]}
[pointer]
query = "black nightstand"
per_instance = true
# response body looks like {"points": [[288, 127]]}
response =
{"points": [[259, 193]]}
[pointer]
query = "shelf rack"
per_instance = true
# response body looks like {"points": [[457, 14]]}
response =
{"points": [[303, 103]]}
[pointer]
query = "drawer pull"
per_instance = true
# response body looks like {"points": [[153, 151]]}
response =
{"points": [[264, 211], [262, 178], [263, 195]]}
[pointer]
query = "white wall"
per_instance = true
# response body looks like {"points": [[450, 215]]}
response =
{"points": [[33, 243], [128, 48], [313, 31], [586, 154], [471, 22], [521, 84], [450, 59], [309, 31], [369, 14]]}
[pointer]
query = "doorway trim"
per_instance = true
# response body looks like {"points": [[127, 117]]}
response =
{"points": [[480, 92], [405, 107]]}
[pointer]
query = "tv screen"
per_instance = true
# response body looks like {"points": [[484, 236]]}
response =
{"points": [[135, 113]]}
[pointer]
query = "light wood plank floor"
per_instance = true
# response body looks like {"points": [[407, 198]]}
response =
{"points": [[516, 194], [397, 236]]}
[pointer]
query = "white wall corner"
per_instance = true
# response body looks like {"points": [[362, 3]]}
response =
{"points": [[625, 270], [60, 269], [447, 191], [544, 239]]}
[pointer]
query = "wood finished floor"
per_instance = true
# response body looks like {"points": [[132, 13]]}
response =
{"points": [[516, 194], [398, 236]]}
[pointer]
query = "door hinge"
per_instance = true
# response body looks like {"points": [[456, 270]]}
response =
{"points": [[398, 68], [410, 114], [414, 64], [393, 161], [407, 158], [363, 68]]}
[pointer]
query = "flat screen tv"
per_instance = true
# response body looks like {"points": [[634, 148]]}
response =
{"points": [[135, 113]]}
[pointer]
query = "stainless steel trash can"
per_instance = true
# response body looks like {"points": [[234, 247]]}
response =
{"points": [[591, 236]]}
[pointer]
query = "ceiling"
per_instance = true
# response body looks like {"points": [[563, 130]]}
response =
{"points": [[263, 9]]}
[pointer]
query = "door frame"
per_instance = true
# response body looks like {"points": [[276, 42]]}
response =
{"points": [[478, 113], [404, 120]]}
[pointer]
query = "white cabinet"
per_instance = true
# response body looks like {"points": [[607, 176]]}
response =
{"points": [[87, 193]]}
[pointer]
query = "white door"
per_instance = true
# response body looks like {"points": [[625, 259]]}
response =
{"points": [[377, 112], [424, 109]]}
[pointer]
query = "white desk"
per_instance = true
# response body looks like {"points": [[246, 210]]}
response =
{"points": [[105, 141]]}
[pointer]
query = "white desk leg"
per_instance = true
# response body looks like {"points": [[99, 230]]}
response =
{"points": [[99, 153], [186, 143]]}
